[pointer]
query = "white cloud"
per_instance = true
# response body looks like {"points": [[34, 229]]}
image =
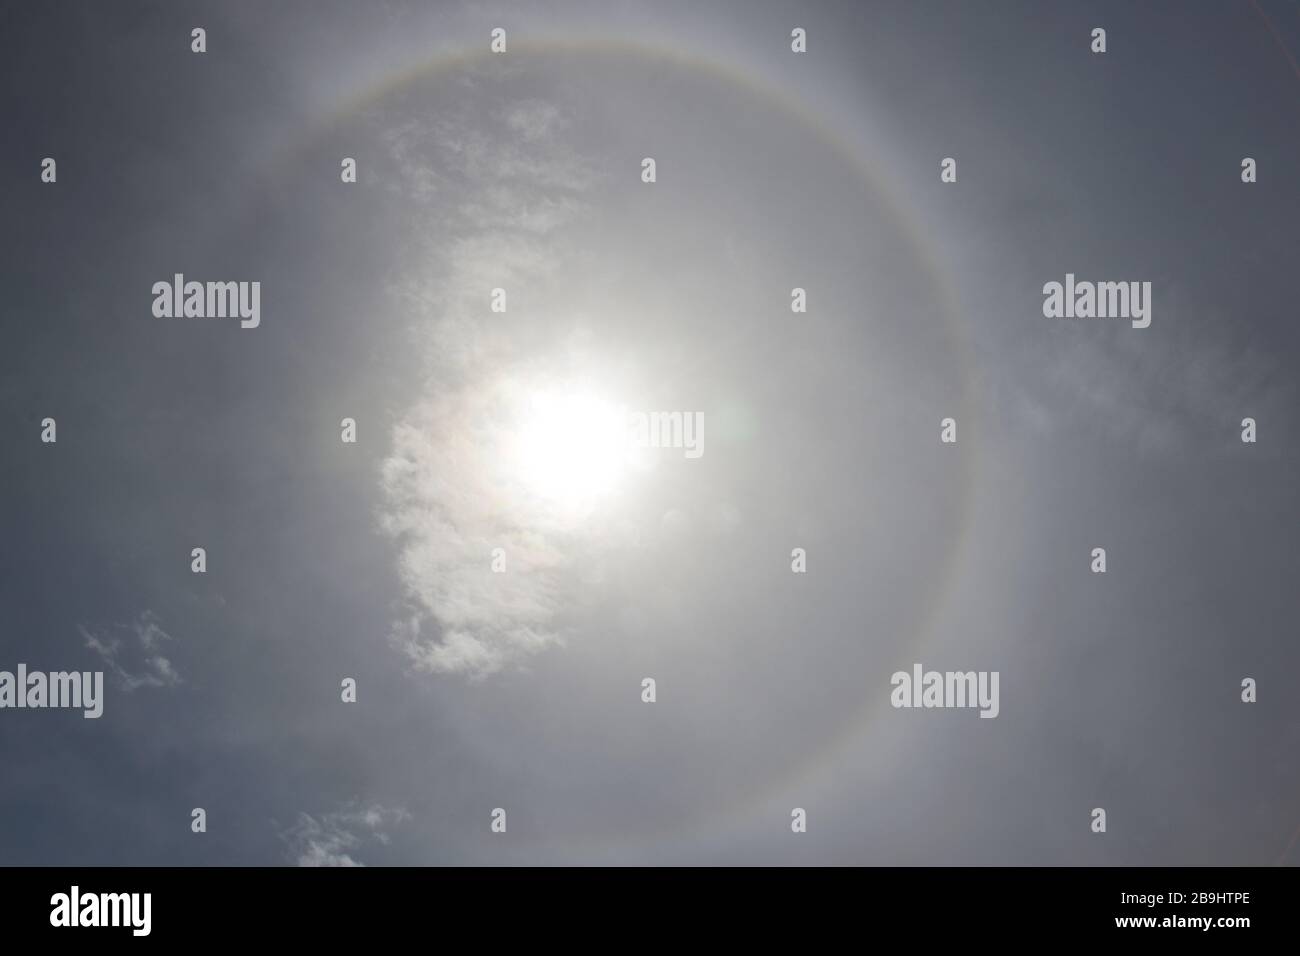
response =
{"points": [[331, 839], [446, 501], [450, 504], [131, 652], [534, 119]]}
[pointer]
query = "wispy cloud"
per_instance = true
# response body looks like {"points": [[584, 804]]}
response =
{"points": [[508, 185], [1159, 389], [331, 839], [450, 505], [132, 653]]}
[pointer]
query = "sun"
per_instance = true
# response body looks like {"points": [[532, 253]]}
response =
{"points": [[570, 448]]}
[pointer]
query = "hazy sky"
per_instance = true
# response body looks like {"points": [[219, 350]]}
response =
{"points": [[523, 690]]}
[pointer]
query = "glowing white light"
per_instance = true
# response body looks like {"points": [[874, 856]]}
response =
{"points": [[571, 449]]}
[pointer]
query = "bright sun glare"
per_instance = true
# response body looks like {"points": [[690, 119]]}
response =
{"points": [[571, 448]]}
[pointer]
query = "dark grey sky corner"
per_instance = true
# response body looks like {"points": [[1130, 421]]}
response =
{"points": [[522, 691]]}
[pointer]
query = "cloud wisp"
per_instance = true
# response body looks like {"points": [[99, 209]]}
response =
{"points": [[132, 653], [332, 839], [504, 192]]}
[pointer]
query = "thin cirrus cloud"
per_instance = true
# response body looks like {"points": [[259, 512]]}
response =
{"points": [[1194, 381], [333, 839], [132, 652]]}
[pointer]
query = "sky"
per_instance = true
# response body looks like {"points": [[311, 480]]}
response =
{"points": [[498, 582]]}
